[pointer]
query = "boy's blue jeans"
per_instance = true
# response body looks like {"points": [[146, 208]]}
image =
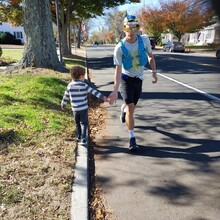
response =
{"points": [[81, 120]]}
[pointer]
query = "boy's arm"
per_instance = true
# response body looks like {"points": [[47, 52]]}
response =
{"points": [[95, 92]]}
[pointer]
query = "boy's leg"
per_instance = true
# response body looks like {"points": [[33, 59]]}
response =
{"points": [[84, 123], [76, 118]]}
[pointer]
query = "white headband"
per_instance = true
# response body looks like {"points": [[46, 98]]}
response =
{"points": [[131, 22]]}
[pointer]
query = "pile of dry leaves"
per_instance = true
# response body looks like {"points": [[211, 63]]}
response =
{"points": [[98, 209]]}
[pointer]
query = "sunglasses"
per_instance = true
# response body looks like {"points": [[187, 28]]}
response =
{"points": [[127, 29]]}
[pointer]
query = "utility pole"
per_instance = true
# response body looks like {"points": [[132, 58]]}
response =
{"points": [[58, 31]]}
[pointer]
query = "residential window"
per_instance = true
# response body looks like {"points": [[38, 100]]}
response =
{"points": [[208, 34], [18, 35]]}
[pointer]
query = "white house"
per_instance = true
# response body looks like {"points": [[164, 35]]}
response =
{"points": [[18, 32], [207, 35]]}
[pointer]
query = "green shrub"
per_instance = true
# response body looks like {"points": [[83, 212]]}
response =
{"points": [[7, 38]]}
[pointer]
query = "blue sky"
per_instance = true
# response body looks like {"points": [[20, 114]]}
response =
{"points": [[133, 9]]}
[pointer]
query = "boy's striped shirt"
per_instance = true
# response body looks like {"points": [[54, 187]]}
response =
{"points": [[77, 92]]}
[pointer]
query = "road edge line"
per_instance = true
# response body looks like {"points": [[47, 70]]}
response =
{"points": [[190, 87]]}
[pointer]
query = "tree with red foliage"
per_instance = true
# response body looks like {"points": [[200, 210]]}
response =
{"points": [[177, 17]]}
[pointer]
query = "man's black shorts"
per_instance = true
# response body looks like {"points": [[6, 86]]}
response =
{"points": [[131, 88]]}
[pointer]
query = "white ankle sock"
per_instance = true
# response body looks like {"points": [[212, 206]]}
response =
{"points": [[131, 133]]}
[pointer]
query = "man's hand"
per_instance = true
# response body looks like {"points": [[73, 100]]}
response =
{"points": [[113, 97], [154, 75]]}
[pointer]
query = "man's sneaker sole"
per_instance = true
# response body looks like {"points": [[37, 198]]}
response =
{"points": [[123, 114], [83, 141], [133, 148]]}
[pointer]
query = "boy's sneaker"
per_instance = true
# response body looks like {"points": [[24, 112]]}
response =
{"points": [[123, 113], [83, 141], [133, 146]]}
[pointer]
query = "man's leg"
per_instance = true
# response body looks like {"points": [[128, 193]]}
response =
{"points": [[137, 88], [130, 125], [130, 116], [130, 91]]}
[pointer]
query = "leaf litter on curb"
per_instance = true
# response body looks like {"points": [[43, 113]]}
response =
{"points": [[97, 205]]}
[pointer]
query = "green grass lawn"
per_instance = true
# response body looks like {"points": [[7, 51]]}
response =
{"points": [[31, 103], [16, 54], [203, 47], [36, 144]]}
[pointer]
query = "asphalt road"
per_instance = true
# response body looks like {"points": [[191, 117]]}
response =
{"points": [[176, 173]]}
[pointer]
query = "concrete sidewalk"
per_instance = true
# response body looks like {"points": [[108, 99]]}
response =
{"points": [[168, 178]]}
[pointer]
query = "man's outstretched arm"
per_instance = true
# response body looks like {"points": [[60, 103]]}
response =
{"points": [[117, 80]]}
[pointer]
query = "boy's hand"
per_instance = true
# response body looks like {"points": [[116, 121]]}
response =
{"points": [[113, 97], [63, 108], [105, 99]]}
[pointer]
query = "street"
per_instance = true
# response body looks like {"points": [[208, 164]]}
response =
{"points": [[176, 173]]}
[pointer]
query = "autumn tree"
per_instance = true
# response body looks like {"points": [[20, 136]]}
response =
{"points": [[114, 22], [71, 12], [76, 12], [185, 16], [151, 21], [177, 17], [39, 48], [11, 11]]}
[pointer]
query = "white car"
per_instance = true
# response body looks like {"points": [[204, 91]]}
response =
{"points": [[174, 47]]}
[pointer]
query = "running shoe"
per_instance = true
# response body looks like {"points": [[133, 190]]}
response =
{"points": [[83, 141], [133, 146], [78, 139]]}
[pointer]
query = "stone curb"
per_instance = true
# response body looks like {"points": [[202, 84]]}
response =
{"points": [[80, 193]]}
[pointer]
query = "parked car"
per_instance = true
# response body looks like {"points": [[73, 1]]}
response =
{"points": [[174, 47], [218, 53], [153, 42], [96, 42]]}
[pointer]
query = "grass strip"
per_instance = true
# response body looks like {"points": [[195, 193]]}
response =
{"points": [[36, 146]]}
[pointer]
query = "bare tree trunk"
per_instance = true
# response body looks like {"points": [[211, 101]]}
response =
{"points": [[39, 49], [69, 40], [79, 34], [65, 22], [68, 26]]}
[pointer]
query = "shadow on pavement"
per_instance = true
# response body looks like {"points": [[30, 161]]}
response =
{"points": [[195, 154]]}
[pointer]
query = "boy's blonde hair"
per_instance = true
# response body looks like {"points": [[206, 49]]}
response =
{"points": [[76, 72]]}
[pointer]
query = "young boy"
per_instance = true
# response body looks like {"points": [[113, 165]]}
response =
{"points": [[76, 92]]}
